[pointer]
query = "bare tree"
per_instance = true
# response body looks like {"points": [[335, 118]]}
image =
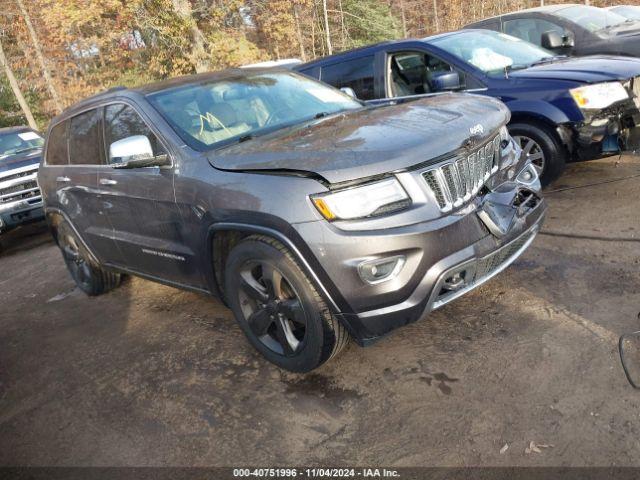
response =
{"points": [[326, 27], [296, 18], [435, 15], [16, 90], [40, 56], [404, 19], [198, 53]]}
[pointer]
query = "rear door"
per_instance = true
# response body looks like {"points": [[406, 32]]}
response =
{"points": [[356, 74], [141, 203]]}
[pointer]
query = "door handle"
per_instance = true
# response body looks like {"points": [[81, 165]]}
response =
{"points": [[63, 179], [107, 181]]}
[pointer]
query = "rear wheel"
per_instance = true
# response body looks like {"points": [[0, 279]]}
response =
{"points": [[89, 277], [278, 308], [542, 147]]}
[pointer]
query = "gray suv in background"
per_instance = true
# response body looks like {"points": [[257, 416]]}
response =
{"points": [[315, 217]]}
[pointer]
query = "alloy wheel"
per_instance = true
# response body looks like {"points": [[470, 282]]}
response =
{"points": [[533, 151], [79, 267], [271, 308]]}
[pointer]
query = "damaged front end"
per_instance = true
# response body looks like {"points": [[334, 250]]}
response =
{"points": [[512, 209], [609, 130]]}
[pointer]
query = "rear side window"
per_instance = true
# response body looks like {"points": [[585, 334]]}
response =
{"points": [[57, 151], [85, 139], [356, 74], [122, 121]]}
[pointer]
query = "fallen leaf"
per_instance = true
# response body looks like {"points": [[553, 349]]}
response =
{"points": [[504, 449], [535, 447]]}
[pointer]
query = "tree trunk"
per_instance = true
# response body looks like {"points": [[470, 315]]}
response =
{"points": [[16, 90], [404, 19], [326, 27], [343, 31], [198, 54], [36, 45], [435, 15], [296, 17]]}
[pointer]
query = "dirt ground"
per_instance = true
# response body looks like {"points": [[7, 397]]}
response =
{"points": [[150, 375]]}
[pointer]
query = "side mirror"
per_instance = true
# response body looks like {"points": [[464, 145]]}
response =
{"points": [[445, 81], [551, 40], [569, 41], [629, 349], [135, 152], [349, 91]]}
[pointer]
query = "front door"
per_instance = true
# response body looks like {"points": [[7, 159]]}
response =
{"points": [[141, 203], [77, 184]]}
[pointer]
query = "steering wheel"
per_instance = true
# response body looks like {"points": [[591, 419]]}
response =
{"points": [[274, 115]]}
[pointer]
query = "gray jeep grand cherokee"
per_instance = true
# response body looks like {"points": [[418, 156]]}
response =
{"points": [[315, 217]]}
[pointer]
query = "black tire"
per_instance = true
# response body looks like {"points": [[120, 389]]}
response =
{"points": [[89, 276], [278, 308], [549, 144]]}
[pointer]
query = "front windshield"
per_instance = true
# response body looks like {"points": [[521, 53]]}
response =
{"points": [[209, 115], [591, 18], [490, 51], [628, 11], [15, 143]]}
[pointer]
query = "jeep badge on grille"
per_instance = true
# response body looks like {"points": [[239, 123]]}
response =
{"points": [[476, 130]]}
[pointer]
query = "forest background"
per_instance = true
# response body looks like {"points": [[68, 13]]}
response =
{"points": [[55, 52]]}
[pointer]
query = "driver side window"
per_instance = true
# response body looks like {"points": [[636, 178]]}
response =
{"points": [[531, 29], [412, 73], [122, 122]]}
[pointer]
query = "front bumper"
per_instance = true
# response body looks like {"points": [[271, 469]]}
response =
{"points": [[19, 213], [479, 261], [608, 130], [475, 243]]}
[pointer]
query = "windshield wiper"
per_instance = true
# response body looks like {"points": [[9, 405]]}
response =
{"points": [[320, 115], [22, 150], [547, 60], [510, 68]]}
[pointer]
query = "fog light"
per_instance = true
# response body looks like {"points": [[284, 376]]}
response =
{"points": [[381, 270], [455, 282]]}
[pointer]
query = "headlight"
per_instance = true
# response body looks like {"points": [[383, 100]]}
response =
{"points": [[599, 95], [367, 200]]}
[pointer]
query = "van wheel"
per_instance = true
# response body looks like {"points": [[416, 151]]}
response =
{"points": [[544, 149], [278, 308], [89, 277]]}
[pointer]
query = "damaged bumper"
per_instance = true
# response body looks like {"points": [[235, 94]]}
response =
{"points": [[613, 129], [442, 259]]}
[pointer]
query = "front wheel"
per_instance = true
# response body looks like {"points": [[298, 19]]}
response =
{"points": [[542, 147], [278, 308]]}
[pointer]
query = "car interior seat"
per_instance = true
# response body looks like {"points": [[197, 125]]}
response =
{"points": [[400, 86]]}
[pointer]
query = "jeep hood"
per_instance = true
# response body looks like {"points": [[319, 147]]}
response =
{"points": [[371, 141], [18, 161], [591, 69]]}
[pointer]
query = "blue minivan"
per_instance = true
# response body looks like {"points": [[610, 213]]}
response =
{"points": [[561, 108]]}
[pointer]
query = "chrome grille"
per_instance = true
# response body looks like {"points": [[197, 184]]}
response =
{"points": [[19, 185], [456, 182]]}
